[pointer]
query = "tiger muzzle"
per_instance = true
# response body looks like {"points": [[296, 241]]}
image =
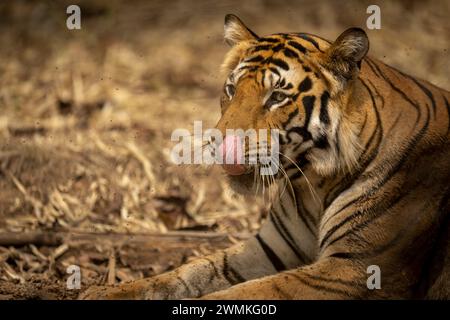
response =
{"points": [[231, 153]]}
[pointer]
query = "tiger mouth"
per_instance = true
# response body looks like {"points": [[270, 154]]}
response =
{"points": [[238, 158], [244, 168]]}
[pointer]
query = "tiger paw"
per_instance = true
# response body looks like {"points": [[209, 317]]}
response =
{"points": [[135, 290]]}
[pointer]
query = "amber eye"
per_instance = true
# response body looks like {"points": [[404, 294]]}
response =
{"points": [[230, 90], [278, 96], [275, 98]]}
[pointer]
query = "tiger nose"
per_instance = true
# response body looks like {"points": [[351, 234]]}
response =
{"points": [[231, 153]]}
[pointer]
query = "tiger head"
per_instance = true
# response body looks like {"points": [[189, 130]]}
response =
{"points": [[300, 84]]}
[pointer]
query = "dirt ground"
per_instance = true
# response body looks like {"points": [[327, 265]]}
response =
{"points": [[86, 118]]}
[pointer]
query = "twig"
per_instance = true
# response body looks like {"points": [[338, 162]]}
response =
{"points": [[198, 203], [59, 251], [144, 161], [112, 268], [37, 253], [35, 202], [11, 273]]}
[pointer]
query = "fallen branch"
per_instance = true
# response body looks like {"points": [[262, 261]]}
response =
{"points": [[146, 165], [38, 238], [111, 279], [49, 238]]}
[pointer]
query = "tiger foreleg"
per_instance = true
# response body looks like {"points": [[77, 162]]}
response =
{"points": [[326, 279], [195, 279]]}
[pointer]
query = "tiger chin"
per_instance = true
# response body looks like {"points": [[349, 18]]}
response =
{"points": [[365, 149]]}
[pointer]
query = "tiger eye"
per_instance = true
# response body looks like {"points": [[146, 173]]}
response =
{"points": [[278, 96], [275, 98]]}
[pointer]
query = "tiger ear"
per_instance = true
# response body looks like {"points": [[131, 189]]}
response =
{"points": [[236, 31], [345, 54]]}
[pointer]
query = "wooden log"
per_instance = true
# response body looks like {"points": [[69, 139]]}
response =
{"points": [[50, 238], [38, 238]]}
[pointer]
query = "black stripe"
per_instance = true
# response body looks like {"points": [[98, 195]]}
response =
{"points": [[311, 40], [280, 63], [283, 209], [400, 92], [422, 87], [213, 265], [305, 85], [263, 77], [321, 287], [316, 36], [287, 86], [284, 35], [365, 160], [297, 46], [427, 92], [394, 124], [283, 294], [185, 285], [290, 53], [229, 273], [378, 131], [285, 235], [371, 65], [301, 131], [291, 116], [278, 47], [271, 40], [271, 255], [324, 116], [250, 68], [261, 47], [274, 70], [448, 111], [306, 217], [338, 139], [339, 281], [342, 255], [301, 162], [363, 125], [308, 103], [256, 59], [322, 142]]}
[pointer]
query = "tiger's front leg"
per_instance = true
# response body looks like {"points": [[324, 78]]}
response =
{"points": [[194, 279], [330, 278], [240, 263]]}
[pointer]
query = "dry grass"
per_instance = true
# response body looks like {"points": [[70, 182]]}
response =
{"points": [[86, 118]]}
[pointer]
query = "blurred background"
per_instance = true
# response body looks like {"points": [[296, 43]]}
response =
{"points": [[86, 117]]}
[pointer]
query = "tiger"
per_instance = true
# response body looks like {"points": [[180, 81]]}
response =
{"points": [[365, 149]]}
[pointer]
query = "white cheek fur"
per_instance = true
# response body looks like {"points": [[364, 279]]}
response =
{"points": [[277, 105]]}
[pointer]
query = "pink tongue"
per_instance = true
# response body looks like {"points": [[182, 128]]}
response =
{"points": [[231, 153]]}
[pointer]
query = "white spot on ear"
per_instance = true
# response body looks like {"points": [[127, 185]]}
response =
{"points": [[352, 44], [235, 31], [353, 47]]}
